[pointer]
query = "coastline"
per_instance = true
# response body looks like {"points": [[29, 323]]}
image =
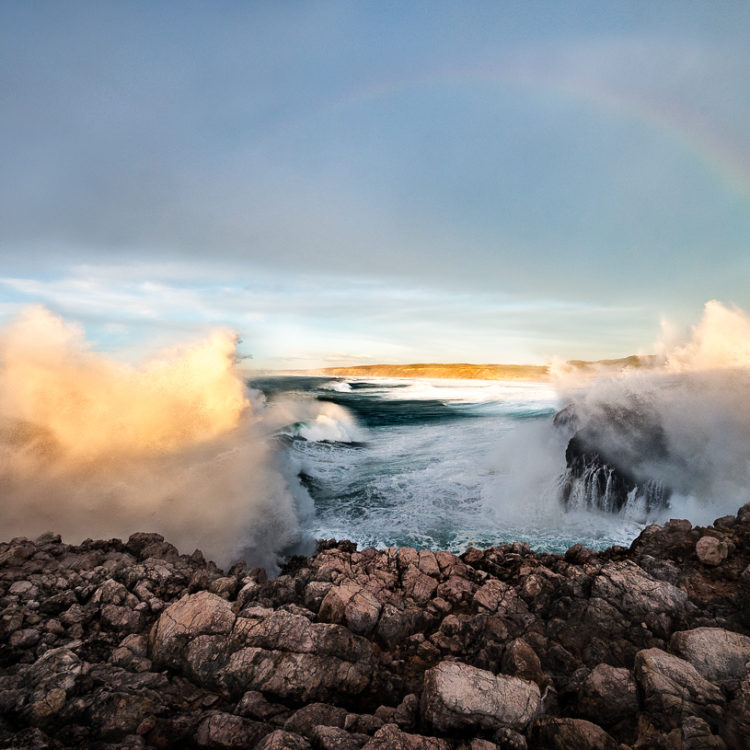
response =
{"points": [[130, 644]]}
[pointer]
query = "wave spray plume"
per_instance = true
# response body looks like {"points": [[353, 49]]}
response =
{"points": [[92, 447]]}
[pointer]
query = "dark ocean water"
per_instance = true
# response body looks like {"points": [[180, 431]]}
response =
{"points": [[435, 464]]}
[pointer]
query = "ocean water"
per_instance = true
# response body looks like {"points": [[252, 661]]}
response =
{"points": [[435, 464]]}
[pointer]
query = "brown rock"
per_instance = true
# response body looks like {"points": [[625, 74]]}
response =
{"points": [[315, 714], [193, 615], [608, 695], [458, 696], [673, 690], [282, 740], [554, 733], [222, 730], [390, 737], [711, 551], [334, 738], [721, 656]]}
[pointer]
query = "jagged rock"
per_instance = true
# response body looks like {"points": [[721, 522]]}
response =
{"points": [[508, 739], [520, 660], [281, 740], [608, 695], [459, 696], [697, 735], [736, 731], [635, 593], [192, 616], [673, 690], [711, 551], [553, 733], [334, 738], [390, 737], [721, 656], [315, 714], [255, 706], [221, 730]]}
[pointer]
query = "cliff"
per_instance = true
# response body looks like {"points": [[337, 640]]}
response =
{"points": [[113, 644]]}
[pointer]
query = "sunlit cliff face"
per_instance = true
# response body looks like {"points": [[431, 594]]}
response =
{"points": [[92, 447]]}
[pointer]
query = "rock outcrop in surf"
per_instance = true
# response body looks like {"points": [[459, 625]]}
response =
{"points": [[606, 459], [113, 644]]}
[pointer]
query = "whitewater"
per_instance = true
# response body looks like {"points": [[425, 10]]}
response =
{"points": [[259, 468]]}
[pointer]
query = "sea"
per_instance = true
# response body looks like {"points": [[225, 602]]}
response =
{"points": [[436, 464]]}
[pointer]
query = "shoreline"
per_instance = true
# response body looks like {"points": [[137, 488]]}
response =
{"points": [[130, 644]]}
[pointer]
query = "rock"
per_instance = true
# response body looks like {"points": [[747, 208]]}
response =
{"points": [[254, 705], [315, 714], [609, 694], [697, 735], [635, 593], [711, 551], [673, 690], [193, 615], [390, 737], [418, 585], [736, 730], [508, 739], [281, 740], [458, 696], [334, 738], [520, 660], [121, 619], [554, 733], [25, 638], [222, 730], [721, 656]]}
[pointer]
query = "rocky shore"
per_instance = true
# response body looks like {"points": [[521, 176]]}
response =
{"points": [[114, 644]]}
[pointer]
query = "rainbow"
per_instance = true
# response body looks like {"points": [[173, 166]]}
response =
{"points": [[697, 137]]}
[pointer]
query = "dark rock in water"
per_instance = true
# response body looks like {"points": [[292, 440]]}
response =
{"points": [[605, 459], [109, 645]]}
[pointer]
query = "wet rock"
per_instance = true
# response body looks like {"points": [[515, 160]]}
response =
{"points": [[673, 690], [458, 696]]}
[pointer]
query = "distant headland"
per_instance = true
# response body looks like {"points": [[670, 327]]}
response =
{"points": [[466, 371]]}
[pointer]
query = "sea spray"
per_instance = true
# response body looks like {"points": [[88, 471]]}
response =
{"points": [[92, 447], [683, 425]]}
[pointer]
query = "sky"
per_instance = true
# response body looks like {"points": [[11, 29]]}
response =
{"points": [[375, 181]]}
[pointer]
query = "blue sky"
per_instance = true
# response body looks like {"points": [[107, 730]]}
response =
{"points": [[376, 181]]}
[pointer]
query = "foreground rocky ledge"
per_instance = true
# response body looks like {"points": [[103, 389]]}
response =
{"points": [[111, 644]]}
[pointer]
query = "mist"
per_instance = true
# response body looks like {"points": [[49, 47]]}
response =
{"points": [[684, 423], [95, 448]]}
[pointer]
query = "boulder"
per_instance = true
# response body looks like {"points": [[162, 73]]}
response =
{"points": [[281, 740], [673, 690], [608, 695], [303, 720], [721, 656], [555, 733], [711, 551], [192, 616], [390, 737], [458, 696], [635, 593], [221, 730]]}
